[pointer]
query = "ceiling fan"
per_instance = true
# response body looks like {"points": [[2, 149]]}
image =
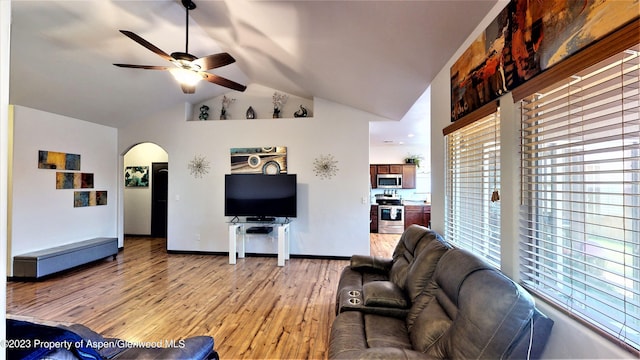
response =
{"points": [[188, 69]]}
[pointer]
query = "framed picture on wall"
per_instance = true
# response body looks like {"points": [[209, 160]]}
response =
{"points": [[136, 176]]}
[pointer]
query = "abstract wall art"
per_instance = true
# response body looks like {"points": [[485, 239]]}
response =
{"points": [[136, 176], [58, 160], [261, 160], [69, 180], [89, 198], [526, 39]]}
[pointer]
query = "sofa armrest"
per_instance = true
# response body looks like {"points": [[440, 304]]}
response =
{"points": [[352, 300], [384, 294], [371, 263]]}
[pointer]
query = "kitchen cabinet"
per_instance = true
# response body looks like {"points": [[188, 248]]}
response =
{"points": [[408, 172], [408, 176], [373, 218], [395, 169], [382, 169], [373, 173], [417, 214]]}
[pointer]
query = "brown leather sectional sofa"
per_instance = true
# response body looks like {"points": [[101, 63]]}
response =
{"points": [[433, 301]]}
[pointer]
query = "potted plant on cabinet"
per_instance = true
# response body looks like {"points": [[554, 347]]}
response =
{"points": [[413, 159]]}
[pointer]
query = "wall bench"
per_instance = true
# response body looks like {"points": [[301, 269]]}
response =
{"points": [[37, 264]]}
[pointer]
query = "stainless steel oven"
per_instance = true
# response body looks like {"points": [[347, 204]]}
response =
{"points": [[390, 219]]}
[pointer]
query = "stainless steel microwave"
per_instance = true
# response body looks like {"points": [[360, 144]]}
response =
{"points": [[389, 181]]}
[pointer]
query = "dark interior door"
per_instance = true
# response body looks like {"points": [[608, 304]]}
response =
{"points": [[159, 193]]}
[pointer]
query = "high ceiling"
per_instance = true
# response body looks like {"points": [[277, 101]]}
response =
{"points": [[376, 56]]}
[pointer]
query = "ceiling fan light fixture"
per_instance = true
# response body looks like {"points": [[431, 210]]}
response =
{"points": [[185, 61], [189, 69], [186, 77]]}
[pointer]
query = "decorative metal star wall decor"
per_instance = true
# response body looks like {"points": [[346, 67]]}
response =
{"points": [[199, 166], [325, 166]]}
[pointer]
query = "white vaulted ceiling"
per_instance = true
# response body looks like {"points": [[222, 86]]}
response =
{"points": [[376, 56]]}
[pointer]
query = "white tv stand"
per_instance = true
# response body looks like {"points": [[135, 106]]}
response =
{"points": [[239, 229]]}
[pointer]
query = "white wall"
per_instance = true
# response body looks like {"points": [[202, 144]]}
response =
{"points": [[137, 200], [333, 215], [5, 36], [43, 216], [569, 339], [395, 154]]}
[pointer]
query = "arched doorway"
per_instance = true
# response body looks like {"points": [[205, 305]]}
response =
{"points": [[146, 174]]}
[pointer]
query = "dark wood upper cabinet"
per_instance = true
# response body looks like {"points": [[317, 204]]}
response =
{"points": [[395, 169], [383, 169], [408, 176], [408, 172]]}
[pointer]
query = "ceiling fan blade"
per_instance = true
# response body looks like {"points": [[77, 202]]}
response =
{"points": [[214, 61], [148, 67], [222, 81], [188, 89], [147, 44]]}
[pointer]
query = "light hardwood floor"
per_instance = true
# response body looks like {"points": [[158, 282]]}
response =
{"points": [[253, 310]]}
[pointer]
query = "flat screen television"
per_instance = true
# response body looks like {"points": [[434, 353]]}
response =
{"points": [[259, 196]]}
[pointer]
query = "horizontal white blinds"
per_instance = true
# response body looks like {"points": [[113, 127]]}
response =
{"points": [[472, 220], [580, 214]]}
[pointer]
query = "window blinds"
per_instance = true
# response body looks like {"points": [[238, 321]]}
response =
{"points": [[580, 213], [472, 219]]}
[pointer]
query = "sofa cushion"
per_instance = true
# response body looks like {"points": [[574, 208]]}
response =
{"points": [[353, 332], [347, 334], [430, 325], [487, 311], [383, 293], [404, 253], [383, 331], [421, 270]]}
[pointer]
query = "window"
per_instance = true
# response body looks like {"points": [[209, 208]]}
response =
{"points": [[580, 218], [472, 219]]}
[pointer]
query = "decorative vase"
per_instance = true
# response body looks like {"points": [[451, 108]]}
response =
{"points": [[223, 114], [300, 113], [276, 113], [250, 113], [204, 112]]}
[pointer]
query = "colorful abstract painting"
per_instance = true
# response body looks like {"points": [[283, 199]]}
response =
{"points": [[261, 160], [547, 32], [68, 180], [479, 75], [89, 198], [136, 176], [527, 38], [58, 160]]}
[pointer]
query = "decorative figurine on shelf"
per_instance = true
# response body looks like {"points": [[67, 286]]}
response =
{"points": [[278, 101], [225, 104], [250, 113], [204, 112], [300, 113]]}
